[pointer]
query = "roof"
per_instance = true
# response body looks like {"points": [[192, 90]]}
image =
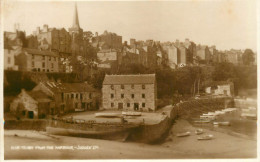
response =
{"points": [[40, 96], [39, 52], [69, 87], [130, 79]]}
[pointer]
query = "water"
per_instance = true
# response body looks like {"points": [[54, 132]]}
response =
{"points": [[238, 126]]}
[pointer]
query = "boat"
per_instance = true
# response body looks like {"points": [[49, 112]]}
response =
{"points": [[226, 123], [198, 131], [108, 115], [130, 113], [183, 134], [206, 137], [202, 121], [211, 117]]}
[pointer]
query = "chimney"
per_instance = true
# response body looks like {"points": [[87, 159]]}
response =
{"points": [[45, 28], [132, 42], [37, 30]]}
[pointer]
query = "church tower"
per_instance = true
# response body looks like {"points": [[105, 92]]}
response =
{"points": [[76, 35]]}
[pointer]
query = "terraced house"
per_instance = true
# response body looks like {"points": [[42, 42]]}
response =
{"points": [[130, 92], [70, 97]]}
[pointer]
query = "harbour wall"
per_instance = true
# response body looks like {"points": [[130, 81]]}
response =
{"points": [[157, 132], [26, 124]]}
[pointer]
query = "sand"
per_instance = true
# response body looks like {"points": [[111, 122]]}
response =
{"points": [[222, 146]]}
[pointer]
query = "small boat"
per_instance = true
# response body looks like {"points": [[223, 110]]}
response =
{"points": [[183, 134], [199, 131], [227, 123], [202, 121], [206, 137], [129, 113], [108, 115]]}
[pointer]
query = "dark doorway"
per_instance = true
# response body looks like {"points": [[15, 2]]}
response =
{"points": [[30, 114], [120, 106], [136, 106]]}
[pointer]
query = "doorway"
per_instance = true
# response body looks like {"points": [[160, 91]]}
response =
{"points": [[136, 106], [120, 106], [30, 114]]}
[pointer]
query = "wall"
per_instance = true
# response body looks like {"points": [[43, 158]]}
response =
{"points": [[149, 100], [39, 125]]}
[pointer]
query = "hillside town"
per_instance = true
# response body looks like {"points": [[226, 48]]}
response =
{"points": [[75, 82]]}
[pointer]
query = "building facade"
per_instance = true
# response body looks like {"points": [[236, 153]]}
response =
{"points": [[129, 92], [32, 105], [70, 97], [112, 40], [37, 60]]}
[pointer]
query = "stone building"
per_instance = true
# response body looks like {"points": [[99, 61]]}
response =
{"points": [[52, 39], [220, 88], [191, 46], [33, 105], [10, 52], [173, 55], [203, 53], [129, 92], [38, 60], [234, 56], [112, 40], [70, 97]]}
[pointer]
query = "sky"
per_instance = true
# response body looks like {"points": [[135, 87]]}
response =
{"points": [[224, 23]]}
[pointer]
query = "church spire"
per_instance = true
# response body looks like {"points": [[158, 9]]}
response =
{"points": [[75, 18]]}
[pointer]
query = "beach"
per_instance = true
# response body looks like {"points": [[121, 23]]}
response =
{"points": [[222, 146]]}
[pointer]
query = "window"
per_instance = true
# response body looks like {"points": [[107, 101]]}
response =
{"points": [[128, 104], [143, 104], [132, 86], [133, 95], [32, 56], [122, 95], [112, 104], [90, 95], [122, 87], [112, 87], [143, 95], [143, 86], [43, 64], [112, 95], [77, 95], [68, 96], [9, 60], [72, 95], [81, 96], [49, 58], [43, 57]]}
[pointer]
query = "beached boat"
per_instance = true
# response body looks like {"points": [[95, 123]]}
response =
{"points": [[183, 134], [199, 131], [211, 117], [226, 123], [108, 115], [130, 113], [206, 137], [202, 121]]}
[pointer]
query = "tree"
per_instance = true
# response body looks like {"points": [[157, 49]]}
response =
{"points": [[248, 57]]}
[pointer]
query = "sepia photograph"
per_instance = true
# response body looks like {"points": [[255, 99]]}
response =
{"points": [[129, 80]]}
